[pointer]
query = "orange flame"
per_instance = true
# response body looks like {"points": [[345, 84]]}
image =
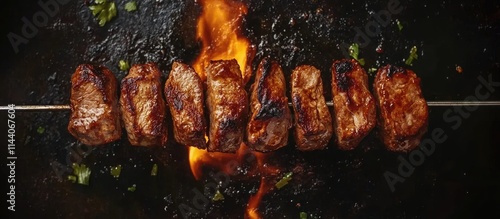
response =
{"points": [[265, 186], [226, 163], [218, 29], [221, 161], [254, 201]]}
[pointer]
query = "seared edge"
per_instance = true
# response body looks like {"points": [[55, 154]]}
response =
{"points": [[313, 122], [403, 112], [142, 106], [353, 105], [227, 103], [270, 119], [185, 98], [95, 118]]}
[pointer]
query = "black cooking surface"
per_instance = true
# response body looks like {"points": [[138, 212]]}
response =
{"points": [[459, 178]]}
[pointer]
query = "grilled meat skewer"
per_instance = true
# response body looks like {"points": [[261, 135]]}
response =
{"points": [[353, 105], [270, 119], [313, 122], [142, 106], [185, 98], [403, 113], [227, 104], [95, 117]]}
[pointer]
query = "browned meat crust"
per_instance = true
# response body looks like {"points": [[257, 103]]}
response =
{"points": [[95, 118], [353, 105], [143, 107], [227, 105], [270, 119], [313, 122], [185, 98], [403, 113]]}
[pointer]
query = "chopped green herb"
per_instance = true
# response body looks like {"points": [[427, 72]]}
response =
{"points": [[361, 61], [72, 178], [104, 11], [354, 53], [82, 173], [132, 188], [123, 65], [218, 196], [412, 57], [372, 70], [40, 130], [303, 215], [354, 50], [154, 170], [115, 171], [131, 6], [284, 180], [400, 25]]}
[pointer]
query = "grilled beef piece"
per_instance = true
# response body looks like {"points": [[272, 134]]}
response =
{"points": [[95, 118], [313, 122], [270, 117], [143, 107], [353, 105], [227, 105], [185, 98], [403, 113]]}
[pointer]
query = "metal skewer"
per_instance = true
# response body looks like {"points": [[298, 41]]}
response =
{"points": [[329, 103], [36, 107], [463, 103]]}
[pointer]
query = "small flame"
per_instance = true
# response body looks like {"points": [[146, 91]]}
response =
{"points": [[218, 28], [265, 186], [254, 201], [199, 157]]}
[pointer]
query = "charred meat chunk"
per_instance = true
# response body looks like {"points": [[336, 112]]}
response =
{"points": [[227, 104], [313, 122], [403, 113], [185, 98], [142, 106], [353, 105], [95, 118], [270, 119]]}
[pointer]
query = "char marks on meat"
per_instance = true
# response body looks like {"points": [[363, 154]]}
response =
{"points": [[185, 98], [142, 106], [95, 118], [227, 104], [313, 122], [353, 105], [403, 112], [270, 117]]}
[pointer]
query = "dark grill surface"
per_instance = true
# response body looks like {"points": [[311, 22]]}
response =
{"points": [[458, 179]]}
